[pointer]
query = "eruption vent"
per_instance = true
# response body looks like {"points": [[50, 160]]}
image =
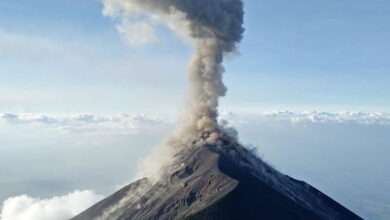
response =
{"points": [[215, 27]]}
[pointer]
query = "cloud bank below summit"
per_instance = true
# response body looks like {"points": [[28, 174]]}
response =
{"points": [[141, 121], [57, 208]]}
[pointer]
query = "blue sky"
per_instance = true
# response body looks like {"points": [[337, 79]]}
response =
{"points": [[65, 56]]}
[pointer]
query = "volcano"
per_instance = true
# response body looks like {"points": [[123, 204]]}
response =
{"points": [[209, 175], [218, 183]]}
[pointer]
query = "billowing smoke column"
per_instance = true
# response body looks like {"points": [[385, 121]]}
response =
{"points": [[215, 26]]}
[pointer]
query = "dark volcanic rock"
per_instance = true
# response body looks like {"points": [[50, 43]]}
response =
{"points": [[218, 183]]}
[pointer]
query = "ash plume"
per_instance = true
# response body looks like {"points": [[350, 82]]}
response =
{"points": [[215, 27]]}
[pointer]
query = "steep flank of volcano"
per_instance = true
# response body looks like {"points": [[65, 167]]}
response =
{"points": [[218, 183]]}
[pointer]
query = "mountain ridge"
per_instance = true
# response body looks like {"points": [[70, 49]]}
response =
{"points": [[218, 183]]}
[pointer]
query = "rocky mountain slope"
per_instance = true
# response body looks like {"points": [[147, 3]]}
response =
{"points": [[218, 183]]}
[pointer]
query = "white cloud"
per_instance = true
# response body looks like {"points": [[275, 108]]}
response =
{"points": [[144, 121], [122, 123], [140, 124], [369, 118], [57, 208]]}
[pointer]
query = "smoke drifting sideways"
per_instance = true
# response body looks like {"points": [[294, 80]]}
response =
{"points": [[215, 27]]}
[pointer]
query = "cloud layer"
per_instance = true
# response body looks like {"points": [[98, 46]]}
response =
{"points": [[57, 208], [125, 123], [142, 122], [314, 117]]}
